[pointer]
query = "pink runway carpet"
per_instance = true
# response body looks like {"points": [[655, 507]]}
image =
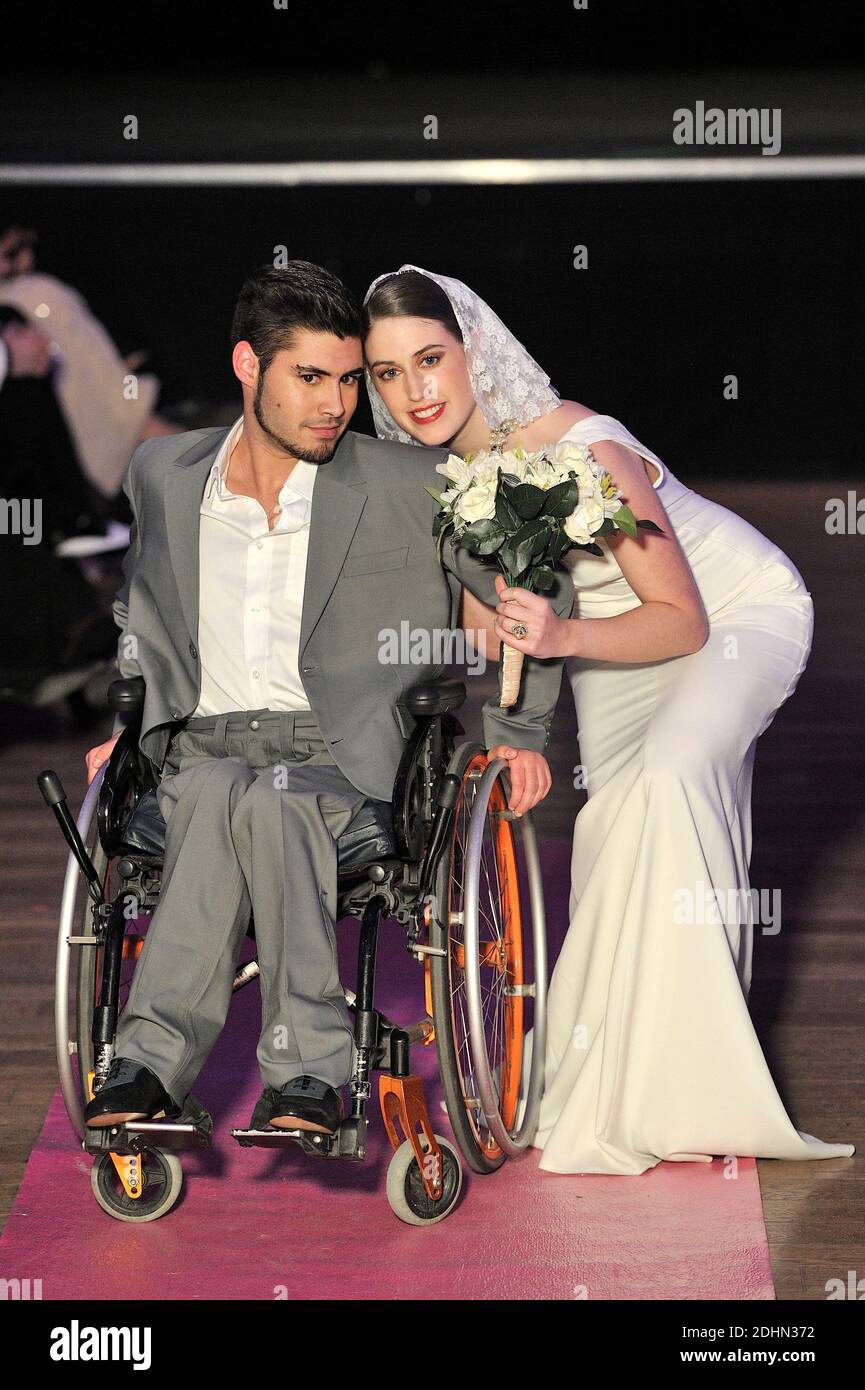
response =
{"points": [[271, 1224]]}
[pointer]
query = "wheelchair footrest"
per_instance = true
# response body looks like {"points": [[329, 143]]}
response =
{"points": [[193, 1129], [348, 1141]]}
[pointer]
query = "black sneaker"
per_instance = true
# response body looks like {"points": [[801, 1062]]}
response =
{"points": [[130, 1092], [305, 1103]]}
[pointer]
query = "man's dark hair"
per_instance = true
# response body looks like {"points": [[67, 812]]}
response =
{"points": [[273, 304]]}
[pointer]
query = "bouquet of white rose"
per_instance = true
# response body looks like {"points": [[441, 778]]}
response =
{"points": [[526, 511]]}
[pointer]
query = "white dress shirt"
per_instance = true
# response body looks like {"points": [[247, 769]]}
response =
{"points": [[251, 583]]}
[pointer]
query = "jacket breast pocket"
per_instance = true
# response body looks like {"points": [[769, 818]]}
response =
{"points": [[379, 560]]}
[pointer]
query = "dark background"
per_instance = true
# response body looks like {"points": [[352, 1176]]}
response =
{"points": [[687, 281]]}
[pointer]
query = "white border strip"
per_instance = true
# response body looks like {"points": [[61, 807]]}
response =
{"points": [[675, 169]]}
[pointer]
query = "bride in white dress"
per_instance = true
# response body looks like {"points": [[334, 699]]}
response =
{"points": [[680, 652]]}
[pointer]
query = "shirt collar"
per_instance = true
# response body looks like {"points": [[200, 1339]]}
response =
{"points": [[299, 483]]}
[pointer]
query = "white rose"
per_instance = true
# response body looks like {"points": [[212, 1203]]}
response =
{"points": [[485, 470], [569, 455], [477, 502], [585, 520]]}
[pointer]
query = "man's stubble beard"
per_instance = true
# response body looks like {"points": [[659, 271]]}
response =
{"points": [[321, 454]]}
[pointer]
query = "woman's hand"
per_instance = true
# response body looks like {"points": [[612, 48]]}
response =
{"points": [[546, 633]]}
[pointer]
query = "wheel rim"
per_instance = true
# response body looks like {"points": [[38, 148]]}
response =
{"points": [[514, 1145], [70, 915], [157, 1180], [500, 957], [416, 1196]]}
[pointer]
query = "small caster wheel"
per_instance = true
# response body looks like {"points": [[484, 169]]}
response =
{"points": [[162, 1179], [406, 1192]]}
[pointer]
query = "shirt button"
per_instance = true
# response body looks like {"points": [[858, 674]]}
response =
{"points": [[192, 651], [256, 675], [254, 724], [259, 544]]}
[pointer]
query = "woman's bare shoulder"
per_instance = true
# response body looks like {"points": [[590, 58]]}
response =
{"points": [[569, 412], [556, 423]]}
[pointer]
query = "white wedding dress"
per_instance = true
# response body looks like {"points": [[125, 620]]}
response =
{"points": [[651, 1051]]}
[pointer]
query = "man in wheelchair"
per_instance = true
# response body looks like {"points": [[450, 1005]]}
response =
{"points": [[266, 562]]}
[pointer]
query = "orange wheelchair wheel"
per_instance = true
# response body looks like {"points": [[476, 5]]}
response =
{"points": [[500, 962]]}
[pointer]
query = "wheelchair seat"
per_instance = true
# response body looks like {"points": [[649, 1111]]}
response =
{"points": [[369, 837]]}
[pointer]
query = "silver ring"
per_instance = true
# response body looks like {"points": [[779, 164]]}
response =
{"points": [[519, 630]]}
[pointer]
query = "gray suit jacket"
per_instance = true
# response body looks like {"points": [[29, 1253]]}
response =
{"points": [[371, 566]]}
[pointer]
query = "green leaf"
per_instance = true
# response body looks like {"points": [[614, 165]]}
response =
{"points": [[544, 579], [607, 527], [507, 518], [440, 538], [559, 546], [651, 526], [626, 521], [528, 543], [436, 495], [487, 534], [527, 500], [560, 500]]}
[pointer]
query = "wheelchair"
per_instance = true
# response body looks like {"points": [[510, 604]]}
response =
{"points": [[441, 858]]}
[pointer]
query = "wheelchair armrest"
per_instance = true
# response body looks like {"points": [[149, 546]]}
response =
{"points": [[411, 802], [126, 696], [431, 698]]}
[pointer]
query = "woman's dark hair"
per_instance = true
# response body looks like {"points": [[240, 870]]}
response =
{"points": [[273, 304], [408, 294]]}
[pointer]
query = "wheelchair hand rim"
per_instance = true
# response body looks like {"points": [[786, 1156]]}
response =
{"points": [[517, 1144], [69, 1088]]}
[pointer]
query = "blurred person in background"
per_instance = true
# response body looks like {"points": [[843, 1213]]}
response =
{"points": [[108, 408], [56, 629]]}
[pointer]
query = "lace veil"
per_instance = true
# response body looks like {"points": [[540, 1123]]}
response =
{"points": [[507, 382]]}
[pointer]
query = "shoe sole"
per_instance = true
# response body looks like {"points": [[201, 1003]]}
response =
{"points": [[294, 1122], [121, 1118]]}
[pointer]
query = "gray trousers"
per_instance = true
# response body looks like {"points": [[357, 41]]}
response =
{"points": [[253, 803]]}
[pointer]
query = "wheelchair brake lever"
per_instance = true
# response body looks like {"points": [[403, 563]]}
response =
{"points": [[52, 789]]}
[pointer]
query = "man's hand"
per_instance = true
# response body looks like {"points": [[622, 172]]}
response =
{"points": [[99, 755], [529, 773]]}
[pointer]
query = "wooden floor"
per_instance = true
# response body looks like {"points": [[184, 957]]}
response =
{"points": [[809, 840]]}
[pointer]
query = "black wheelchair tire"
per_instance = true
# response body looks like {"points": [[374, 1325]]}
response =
{"points": [[161, 1174]]}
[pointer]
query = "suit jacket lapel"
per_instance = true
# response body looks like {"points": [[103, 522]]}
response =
{"points": [[338, 498], [184, 490]]}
